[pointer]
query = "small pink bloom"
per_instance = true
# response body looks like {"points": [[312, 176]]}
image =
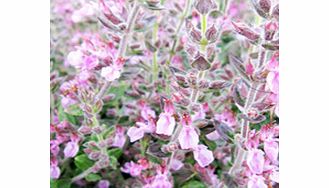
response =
{"points": [[147, 112], [161, 181], [55, 172], [169, 106], [188, 138], [213, 136], [227, 116], [252, 140], [202, 155], [119, 138], [165, 124], [256, 182], [103, 184], [90, 62], [271, 149], [176, 164], [67, 102], [132, 168], [135, 133], [71, 149], [110, 73], [75, 59], [255, 161], [249, 69], [272, 81], [273, 64]]}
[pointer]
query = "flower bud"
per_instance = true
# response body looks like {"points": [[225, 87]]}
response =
{"points": [[218, 84], [262, 7], [84, 130], [200, 63], [212, 34], [275, 12], [265, 5], [203, 84], [204, 6], [98, 106], [195, 35], [247, 32], [94, 155], [270, 29]]}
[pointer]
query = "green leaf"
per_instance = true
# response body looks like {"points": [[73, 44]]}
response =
{"points": [[74, 110], [115, 152], [113, 162], [194, 184], [83, 162], [62, 115], [61, 183], [93, 177]]}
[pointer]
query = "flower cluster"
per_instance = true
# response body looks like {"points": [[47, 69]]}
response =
{"points": [[164, 93]]}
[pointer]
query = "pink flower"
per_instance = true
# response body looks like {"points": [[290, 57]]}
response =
{"points": [[75, 59], [168, 106], [227, 116], [90, 62], [202, 155], [103, 184], [119, 138], [110, 73], [255, 161], [188, 138], [165, 124], [176, 164], [71, 149], [213, 136], [272, 81], [161, 181], [55, 172], [67, 102], [271, 149], [132, 168], [84, 13], [256, 182], [135, 133], [146, 111]]}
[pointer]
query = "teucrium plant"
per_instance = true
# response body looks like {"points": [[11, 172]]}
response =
{"points": [[163, 93]]}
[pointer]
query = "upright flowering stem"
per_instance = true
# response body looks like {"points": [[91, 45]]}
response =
{"points": [[123, 44], [181, 21], [203, 46], [253, 90], [155, 54]]}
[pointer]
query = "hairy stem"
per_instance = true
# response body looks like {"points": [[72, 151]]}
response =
{"points": [[123, 45]]}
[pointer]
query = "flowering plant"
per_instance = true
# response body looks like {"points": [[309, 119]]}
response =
{"points": [[164, 93]]}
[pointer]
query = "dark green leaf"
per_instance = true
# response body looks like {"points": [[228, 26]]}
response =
{"points": [[194, 184], [83, 162], [93, 177]]}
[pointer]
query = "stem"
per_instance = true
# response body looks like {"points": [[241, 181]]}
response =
{"points": [[203, 46], [155, 54], [123, 45], [245, 126], [83, 174], [187, 6]]}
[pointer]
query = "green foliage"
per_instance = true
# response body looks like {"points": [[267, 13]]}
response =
{"points": [[65, 116], [115, 152], [194, 184], [93, 177], [61, 183], [82, 162]]}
